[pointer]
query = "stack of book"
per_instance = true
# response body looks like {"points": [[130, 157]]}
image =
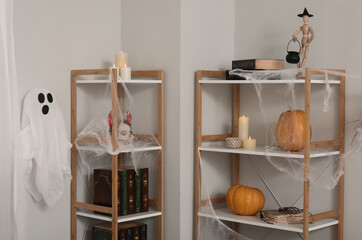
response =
{"points": [[132, 189], [126, 231], [254, 64]]}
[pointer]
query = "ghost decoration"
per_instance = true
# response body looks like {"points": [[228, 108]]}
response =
{"points": [[45, 146]]}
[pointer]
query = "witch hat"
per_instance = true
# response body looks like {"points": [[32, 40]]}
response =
{"points": [[305, 13]]}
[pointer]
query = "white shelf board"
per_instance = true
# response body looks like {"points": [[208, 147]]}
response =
{"points": [[262, 151], [132, 81], [300, 81], [226, 215], [127, 218], [142, 149]]}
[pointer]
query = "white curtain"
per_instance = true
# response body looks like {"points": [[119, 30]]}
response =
{"points": [[9, 128]]}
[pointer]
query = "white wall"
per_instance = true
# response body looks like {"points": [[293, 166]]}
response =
{"points": [[151, 37], [207, 43], [263, 29], [51, 39]]}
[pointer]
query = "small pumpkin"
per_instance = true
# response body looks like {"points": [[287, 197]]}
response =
{"points": [[290, 130], [245, 200]]}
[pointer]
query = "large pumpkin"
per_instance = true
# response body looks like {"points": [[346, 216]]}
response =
{"points": [[290, 130], [245, 200]]}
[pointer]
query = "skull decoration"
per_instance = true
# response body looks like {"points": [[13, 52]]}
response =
{"points": [[125, 136]]}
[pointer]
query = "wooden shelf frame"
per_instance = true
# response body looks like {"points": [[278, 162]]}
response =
{"points": [[117, 160], [199, 139]]}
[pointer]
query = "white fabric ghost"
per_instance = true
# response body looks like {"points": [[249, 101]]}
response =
{"points": [[45, 146]]}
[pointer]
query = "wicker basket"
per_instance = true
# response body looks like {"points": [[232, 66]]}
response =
{"points": [[232, 142], [289, 216]]}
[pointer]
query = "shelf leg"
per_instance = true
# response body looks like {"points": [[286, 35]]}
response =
{"points": [[198, 121], [160, 156], [115, 111], [306, 155], [235, 165], [342, 100], [73, 157]]}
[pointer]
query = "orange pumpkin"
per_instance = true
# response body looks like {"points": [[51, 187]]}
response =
{"points": [[245, 200], [290, 130]]}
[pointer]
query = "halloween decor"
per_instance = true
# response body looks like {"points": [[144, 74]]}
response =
{"points": [[45, 146], [290, 130], [306, 40], [293, 56], [244, 200]]}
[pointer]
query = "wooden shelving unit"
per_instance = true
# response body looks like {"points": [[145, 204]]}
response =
{"points": [[85, 209], [312, 150]]}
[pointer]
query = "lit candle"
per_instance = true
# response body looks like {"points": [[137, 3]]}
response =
{"points": [[121, 59], [243, 128], [126, 73], [249, 143]]}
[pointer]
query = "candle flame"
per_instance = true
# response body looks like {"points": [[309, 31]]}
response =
{"points": [[249, 138]]}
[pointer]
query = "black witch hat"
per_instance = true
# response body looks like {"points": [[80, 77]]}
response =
{"points": [[305, 13]]}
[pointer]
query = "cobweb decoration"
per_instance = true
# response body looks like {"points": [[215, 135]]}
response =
{"points": [[325, 172], [94, 142]]}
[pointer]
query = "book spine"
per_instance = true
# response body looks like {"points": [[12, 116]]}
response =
{"points": [[122, 234], [123, 192], [129, 234], [138, 191], [136, 233], [100, 234], [143, 232], [102, 188], [144, 191], [131, 180], [244, 64]]}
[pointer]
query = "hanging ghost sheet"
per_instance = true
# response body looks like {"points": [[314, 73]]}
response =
{"points": [[46, 147]]}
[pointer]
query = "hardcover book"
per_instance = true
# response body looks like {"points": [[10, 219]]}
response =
{"points": [[144, 206], [103, 189], [131, 192], [258, 64], [140, 190], [126, 231]]}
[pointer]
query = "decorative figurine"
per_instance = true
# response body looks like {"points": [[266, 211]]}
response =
{"points": [[306, 40]]}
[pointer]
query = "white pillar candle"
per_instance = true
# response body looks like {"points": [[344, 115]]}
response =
{"points": [[243, 128], [126, 73], [121, 59], [249, 143]]}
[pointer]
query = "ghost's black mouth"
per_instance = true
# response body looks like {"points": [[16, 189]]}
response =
{"points": [[45, 109]]}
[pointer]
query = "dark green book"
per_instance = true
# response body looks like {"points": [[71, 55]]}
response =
{"points": [[104, 232], [138, 191], [143, 232], [126, 231], [123, 192]]}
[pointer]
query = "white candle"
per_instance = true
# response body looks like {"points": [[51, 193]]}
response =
{"points": [[249, 143], [243, 128], [126, 73], [121, 59]]}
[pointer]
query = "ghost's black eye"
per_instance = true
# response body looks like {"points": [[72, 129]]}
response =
{"points": [[45, 109], [41, 98], [50, 97]]}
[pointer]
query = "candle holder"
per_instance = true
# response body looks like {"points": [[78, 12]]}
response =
{"points": [[232, 142]]}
